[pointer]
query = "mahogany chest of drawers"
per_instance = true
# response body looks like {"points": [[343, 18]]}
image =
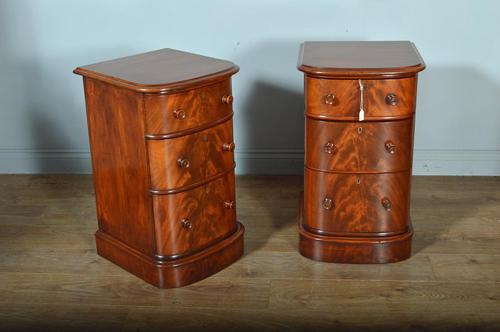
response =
{"points": [[360, 114], [161, 139]]}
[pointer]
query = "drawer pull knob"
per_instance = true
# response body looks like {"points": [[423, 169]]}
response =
{"points": [[391, 99], [183, 163], [328, 204], [329, 99], [227, 99], [386, 203], [330, 148], [229, 204], [390, 147], [228, 147], [179, 114], [186, 224]]}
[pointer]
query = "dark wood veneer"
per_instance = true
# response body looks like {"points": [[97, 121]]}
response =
{"points": [[184, 160], [356, 203], [171, 113], [161, 139], [359, 146], [208, 212], [353, 249], [119, 168], [161, 71], [351, 59], [346, 102]]}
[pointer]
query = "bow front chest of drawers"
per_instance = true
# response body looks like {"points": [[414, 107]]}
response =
{"points": [[161, 139], [360, 113]]}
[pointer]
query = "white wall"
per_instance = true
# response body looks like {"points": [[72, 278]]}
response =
{"points": [[42, 120]]}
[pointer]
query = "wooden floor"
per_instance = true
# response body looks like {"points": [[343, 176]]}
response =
{"points": [[52, 279]]}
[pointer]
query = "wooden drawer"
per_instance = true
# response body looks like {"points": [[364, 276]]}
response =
{"points": [[359, 146], [192, 220], [187, 160], [340, 99], [357, 204], [196, 108]]}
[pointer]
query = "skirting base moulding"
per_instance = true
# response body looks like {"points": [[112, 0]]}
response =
{"points": [[161, 140]]}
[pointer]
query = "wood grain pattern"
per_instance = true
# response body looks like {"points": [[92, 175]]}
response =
{"points": [[209, 209], [358, 164], [52, 279], [177, 272], [171, 113], [116, 134], [161, 71], [359, 146], [367, 59], [347, 99], [353, 248], [164, 190], [203, 150], [357, 203]]}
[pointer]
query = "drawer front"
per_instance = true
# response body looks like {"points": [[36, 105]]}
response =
{"points": [[196, 108], [359, 146], [186, 160], [340, 99], [357, 203], [192, 220]]}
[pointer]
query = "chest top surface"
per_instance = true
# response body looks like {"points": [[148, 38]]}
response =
{"points": [[368, 59], [163, 70]]}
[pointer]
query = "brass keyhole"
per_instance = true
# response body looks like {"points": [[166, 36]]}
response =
{"points": [[358, 180], [360, 130]]}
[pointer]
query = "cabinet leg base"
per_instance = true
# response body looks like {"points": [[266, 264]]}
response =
{"points": [[354, 250], [175, 273]]}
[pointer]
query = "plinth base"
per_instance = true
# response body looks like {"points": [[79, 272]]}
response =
{"points": [[175, 273]]}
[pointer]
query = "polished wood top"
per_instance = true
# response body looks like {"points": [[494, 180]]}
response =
{"points": [[348, 59], [161, 71]]}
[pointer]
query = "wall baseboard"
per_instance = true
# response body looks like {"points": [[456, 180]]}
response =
{"points": [[425, 162]]}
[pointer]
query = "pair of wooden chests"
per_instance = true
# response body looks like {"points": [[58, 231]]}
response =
{"points": [[161, 140]]}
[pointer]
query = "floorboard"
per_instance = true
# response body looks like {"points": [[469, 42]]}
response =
{"points": [[51, 278]]}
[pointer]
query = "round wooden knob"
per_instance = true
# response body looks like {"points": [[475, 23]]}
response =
{"points": [[229, 204], [228, 147], [329, 99], [183, 163], [328, 203], [179, 114], [390, 147], [386, 203], [186, 224], [391, 99], [330, 148], [227, 99]]}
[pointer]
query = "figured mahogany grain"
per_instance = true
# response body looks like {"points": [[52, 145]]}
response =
{"points": [[116, 134], [171, 113], [203, 150], [358, 168], [346, 103], [164, 184], [161, 71], [359, 146], [357, 203], [352, 248], [210, 209], [348, 59]]}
